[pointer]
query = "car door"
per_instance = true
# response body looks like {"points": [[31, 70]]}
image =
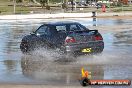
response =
{"points": [[61, 35], [44, 34]]}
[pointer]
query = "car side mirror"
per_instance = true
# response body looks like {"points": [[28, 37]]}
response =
{"points": [[33, 33]]}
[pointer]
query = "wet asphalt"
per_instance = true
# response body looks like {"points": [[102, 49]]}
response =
{"points": [[48, 68]]}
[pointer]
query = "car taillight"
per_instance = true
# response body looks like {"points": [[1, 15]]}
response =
{"points": [[70, 40], [98, 37]]}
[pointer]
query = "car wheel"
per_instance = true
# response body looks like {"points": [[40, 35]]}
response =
{"points": [[24, 48]]}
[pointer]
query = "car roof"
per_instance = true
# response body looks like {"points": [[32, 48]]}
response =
{"points": [[60, 23]]}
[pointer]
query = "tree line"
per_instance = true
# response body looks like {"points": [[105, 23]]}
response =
{"points": [[43, 3], [40, 1]]}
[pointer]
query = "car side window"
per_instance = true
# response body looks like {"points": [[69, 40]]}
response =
{"points": [[43, 30], [61, 28], [73, 27]]}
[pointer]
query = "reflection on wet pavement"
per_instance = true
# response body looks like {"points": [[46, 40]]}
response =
{"points": [[43, 67], [55, 72], [124, 37]]}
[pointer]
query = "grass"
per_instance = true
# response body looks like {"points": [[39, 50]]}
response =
{"points": [[119, 9], [10, 9], [25, 10], [6, 9]]}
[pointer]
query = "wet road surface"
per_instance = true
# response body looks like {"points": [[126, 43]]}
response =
{"points": [[44, 67]]}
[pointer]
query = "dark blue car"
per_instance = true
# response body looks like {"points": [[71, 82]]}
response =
{"points": [[70, 37]]}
